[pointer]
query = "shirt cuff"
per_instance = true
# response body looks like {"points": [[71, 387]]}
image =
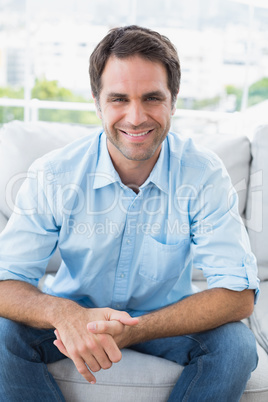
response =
{"points": [[236, 278], [7, 275]]}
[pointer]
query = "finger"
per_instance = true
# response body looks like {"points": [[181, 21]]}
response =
{"points": [[83, 369], [113, 327], [106, 342], [96, 347], [83, 357], [61, 347], [111, 349], [57, 334], [92, 363], [80, 365], [105, 327], [58, 343]]}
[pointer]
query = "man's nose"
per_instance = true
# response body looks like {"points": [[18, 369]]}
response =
{"points": [[136, 114]]}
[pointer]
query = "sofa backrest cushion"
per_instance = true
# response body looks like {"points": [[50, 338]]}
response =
{"points": [[20, 144], [235, 152], [257, 206]]}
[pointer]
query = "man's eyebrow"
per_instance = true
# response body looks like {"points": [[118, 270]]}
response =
{"points": [[116, 95], [152, 94], [158, 94]]}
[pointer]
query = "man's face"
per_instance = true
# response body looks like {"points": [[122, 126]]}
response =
{"points": [[135, 108]]}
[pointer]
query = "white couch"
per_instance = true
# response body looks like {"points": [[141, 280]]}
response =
{"points": [[140, 377]]}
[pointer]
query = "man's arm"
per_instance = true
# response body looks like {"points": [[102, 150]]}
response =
{"points": [[22, 302], [200, 312]]}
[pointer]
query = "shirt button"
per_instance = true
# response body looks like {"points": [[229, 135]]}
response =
{"points": [[128, 241], [249, 259], [49, 176], [118, 305], [122, 275]]}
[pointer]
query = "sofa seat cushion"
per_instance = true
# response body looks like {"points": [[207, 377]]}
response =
{"points": [[137, 377], [143, 378]]}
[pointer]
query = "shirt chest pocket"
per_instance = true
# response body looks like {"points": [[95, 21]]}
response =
{"points": [[162, 262]]}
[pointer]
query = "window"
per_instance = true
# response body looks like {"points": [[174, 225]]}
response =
{"points": [[222, 44]]}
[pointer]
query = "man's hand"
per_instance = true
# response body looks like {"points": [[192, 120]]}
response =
{"points": [[119, 332], [26, 304], [200, 312], [87, 350]]}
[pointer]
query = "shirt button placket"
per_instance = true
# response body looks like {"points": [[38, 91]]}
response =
{"points": [[125, 259]]}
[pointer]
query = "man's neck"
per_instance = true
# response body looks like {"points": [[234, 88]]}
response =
{"points": [[132, 173]]}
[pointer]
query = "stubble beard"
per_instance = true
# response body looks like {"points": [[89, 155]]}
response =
{"points": [[147, 153]]}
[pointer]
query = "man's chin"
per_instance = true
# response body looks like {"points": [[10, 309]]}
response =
{"points": [[138, 157]]}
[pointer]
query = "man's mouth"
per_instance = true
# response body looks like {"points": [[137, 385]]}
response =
{"points": [[138, 134]]}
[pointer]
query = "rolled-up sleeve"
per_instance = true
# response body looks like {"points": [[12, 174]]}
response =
{"points": [[220, 243], [31, 234]]}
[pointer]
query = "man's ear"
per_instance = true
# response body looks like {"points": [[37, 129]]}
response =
{"points": [[173, 110], [97, 106], [174, 107]]}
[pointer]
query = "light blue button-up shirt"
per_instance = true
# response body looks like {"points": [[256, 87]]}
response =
{"points": [[128, 251]]}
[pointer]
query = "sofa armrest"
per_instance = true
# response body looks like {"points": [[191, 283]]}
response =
{"points": [[3, 221], [259, 318]]}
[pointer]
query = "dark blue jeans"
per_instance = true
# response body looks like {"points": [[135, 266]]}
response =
{"points": [[218, 363]]}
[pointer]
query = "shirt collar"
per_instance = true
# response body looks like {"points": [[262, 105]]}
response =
{"points": [[160, 173], [106, 173]]}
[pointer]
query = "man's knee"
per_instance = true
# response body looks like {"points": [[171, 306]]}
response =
{"points": [[238, 347], [15, 340], [7, 331], [9, 334], [7, 343]]}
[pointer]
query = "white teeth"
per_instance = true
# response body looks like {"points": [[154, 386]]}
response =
{"points": [[137, 135]]}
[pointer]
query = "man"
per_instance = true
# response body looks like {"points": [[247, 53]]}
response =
{"points": [[155, 206]]}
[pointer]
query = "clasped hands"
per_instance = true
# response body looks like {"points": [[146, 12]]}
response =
{"points": [[93, 339]]}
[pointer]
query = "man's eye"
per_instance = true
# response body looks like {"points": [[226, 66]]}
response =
{"points": [[119, 100], [152, 98]]}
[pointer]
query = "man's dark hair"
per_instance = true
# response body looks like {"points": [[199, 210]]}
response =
{"points": [[134, 40]]}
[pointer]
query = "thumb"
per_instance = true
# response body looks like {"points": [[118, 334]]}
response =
{"points": [[123, 317], [129, 320], [105, 327]]}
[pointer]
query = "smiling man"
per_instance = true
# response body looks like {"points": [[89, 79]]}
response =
{"points": [[135, 107], [168, 201]]}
